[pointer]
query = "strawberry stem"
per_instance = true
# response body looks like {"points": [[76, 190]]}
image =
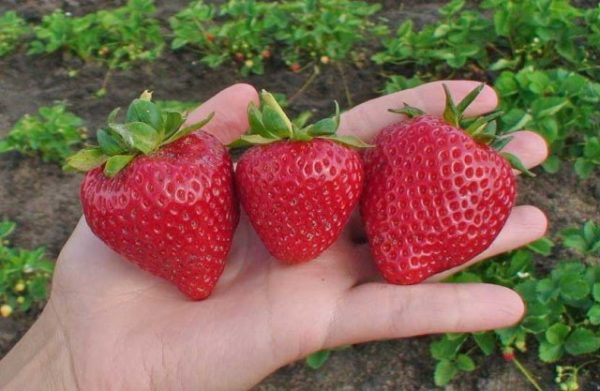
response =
{"points": [[269, 123]]}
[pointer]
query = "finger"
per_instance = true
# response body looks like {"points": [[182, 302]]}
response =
{"points": [[529, 147], [230, 107], [525, 224], [366, 119], [377, 311]]}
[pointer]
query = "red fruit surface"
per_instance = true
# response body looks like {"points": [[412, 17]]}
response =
{"points": [[299, 195], [239, 57], [295, 67], [508, 356], [434, 198], [172, 213]]}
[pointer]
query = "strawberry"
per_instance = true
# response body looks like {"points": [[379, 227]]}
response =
{"points": [[300, 185], [161, 195], [508, 354], [295, 67], [239, 57], [266, 54], [435, 195]]}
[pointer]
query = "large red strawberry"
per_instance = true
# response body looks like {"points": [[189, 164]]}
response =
{"points": [[435, 195], [300, 185], [161, 195]]}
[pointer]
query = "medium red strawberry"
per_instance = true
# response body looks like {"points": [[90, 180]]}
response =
{"points": [[435, 195], [161, 195], [300, 186]]}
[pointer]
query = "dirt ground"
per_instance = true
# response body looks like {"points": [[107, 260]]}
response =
{"points": [[44, 201]]}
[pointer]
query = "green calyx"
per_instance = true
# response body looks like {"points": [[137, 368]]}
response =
{"points": [[146, 129], [482, 129], [269, 123]]}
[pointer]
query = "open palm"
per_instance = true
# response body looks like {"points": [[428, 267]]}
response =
{"points": [[125, 329]]}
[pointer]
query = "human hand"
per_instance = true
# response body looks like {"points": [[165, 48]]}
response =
{"points": [[116, 327]]}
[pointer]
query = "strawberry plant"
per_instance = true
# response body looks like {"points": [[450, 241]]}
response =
{"points": [[13, 29], [52, 133], [561, 105], [547, 33], [116, 38], [541, 56], [584, 240], [243, 32], [501, 35], [458, 38], [562, 319], [327, 31], [24, 274]]}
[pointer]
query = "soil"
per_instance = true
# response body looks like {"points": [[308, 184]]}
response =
{"points": [[43, 200]]}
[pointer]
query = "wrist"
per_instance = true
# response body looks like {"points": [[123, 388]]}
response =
{"points": [[40, 360]]}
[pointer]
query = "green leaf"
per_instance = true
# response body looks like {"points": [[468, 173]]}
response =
{"points": [[552, 164], [593, 314], [504, 63], [138, 135], [112, 117], [582, 341], [145, 111], [327, 126], [452, 7], [596, 292], [275, 124], [535, 324], [465, 363], [573, 286], [517, 123], [557, 333], [516, 163], [445, 371], [318, 359], [6, 228], [38, 288], [255, 119], [256, 139], [87, 159], [573, 239], [486, 342], [549, 352], [583, 168], [109, 142], [185, 131], [446, 347], [324, 127], [542, 246], [116, 163], [172, 121], [302, 119], [274, 118], [350, 141], [589, 232]]}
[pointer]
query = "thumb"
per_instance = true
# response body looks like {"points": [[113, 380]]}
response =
{"points": [[377, 311], [230, 108]]}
